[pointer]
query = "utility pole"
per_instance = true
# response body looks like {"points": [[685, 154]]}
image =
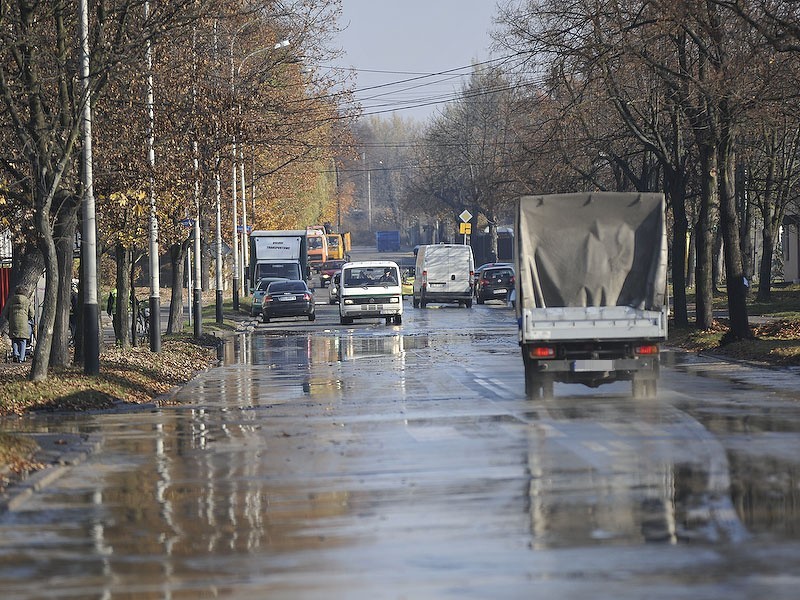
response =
{"points": [[155, 284], [197, 304], [218, 243]]}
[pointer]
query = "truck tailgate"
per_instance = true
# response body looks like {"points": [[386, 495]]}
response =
{"points": [[592, 323]]}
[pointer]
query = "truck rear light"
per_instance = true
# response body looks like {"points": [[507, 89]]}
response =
{"points": [[306, 296], [648, 349], [542, 352]]}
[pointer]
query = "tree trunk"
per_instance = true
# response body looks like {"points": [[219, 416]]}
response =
{"points": [[704, 239], [691, 262], [177, 257], [735, 276], [765, 266], [64, 234], [745, 209], [679, 251], [718, 264], [122, 323], [769, 215], [492, 238], [44, 333]]}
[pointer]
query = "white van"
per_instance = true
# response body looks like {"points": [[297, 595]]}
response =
{"points": [[370, 289], [444, 273]]}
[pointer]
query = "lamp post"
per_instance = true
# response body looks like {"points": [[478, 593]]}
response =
{"points": [[91, 309], [239, 265]]}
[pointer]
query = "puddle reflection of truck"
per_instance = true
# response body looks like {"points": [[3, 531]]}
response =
{"points": [[278, 254], [591, 298]]}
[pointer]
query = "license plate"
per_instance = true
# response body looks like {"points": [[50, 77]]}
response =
{"points": [[370, 307], [500, 291], [432, 283], [286, 298], [592, 365]]}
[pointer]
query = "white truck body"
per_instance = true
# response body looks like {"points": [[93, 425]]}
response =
{"points": [[277, 254], [590, 290]]}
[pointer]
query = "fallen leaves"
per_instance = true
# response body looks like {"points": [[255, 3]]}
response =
{"points": [[134, 375]]}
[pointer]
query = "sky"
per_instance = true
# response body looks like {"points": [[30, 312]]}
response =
{"points": [[399, 44]]}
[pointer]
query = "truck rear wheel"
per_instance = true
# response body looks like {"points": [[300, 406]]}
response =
{"points": [[537, 384]]}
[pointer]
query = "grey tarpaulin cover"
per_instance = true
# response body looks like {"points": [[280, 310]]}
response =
{"points": [[591, 249]]}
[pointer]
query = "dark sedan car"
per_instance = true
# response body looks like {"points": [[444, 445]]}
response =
{"points": [[494, 282], [290, 298]]}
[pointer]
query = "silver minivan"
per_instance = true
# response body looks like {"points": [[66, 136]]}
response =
{"points": [[444, 273]]}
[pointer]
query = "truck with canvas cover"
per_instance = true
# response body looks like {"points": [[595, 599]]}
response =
{"points": [[277, 254], [591, 289]]}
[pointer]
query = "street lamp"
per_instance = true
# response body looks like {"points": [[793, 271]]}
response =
{"points": [[239, 265]]}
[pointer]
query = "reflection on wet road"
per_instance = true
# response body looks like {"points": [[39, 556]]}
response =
{"points": [[404, 462]]}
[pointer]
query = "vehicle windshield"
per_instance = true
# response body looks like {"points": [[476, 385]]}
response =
{"points": [[278, 287], [315, 243], [370, 276], [285, 270]]}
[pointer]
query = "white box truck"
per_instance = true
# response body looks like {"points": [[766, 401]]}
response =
{"points": [[443, 273], [370, 289], [278, 254], [591, 289]]}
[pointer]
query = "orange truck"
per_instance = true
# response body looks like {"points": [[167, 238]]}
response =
{"points": [[338, 245], [317, 241]]}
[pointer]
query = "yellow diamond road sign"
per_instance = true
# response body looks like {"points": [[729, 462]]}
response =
{"points": [[465, 216]]}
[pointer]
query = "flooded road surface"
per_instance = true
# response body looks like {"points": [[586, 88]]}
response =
{"points": [[380, 461]]}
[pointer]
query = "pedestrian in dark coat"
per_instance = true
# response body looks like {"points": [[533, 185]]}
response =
{"points": [[20, 317]]}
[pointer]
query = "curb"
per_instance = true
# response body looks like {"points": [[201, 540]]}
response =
{"points": [[59, 452]]}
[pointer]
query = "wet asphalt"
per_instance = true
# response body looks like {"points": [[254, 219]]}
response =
{"points": [[375, 461]]}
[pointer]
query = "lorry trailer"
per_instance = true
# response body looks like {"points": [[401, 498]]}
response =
{"points": [[591, 289]]}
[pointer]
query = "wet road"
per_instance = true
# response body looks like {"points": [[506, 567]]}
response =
{"points": [[376, 461]]}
